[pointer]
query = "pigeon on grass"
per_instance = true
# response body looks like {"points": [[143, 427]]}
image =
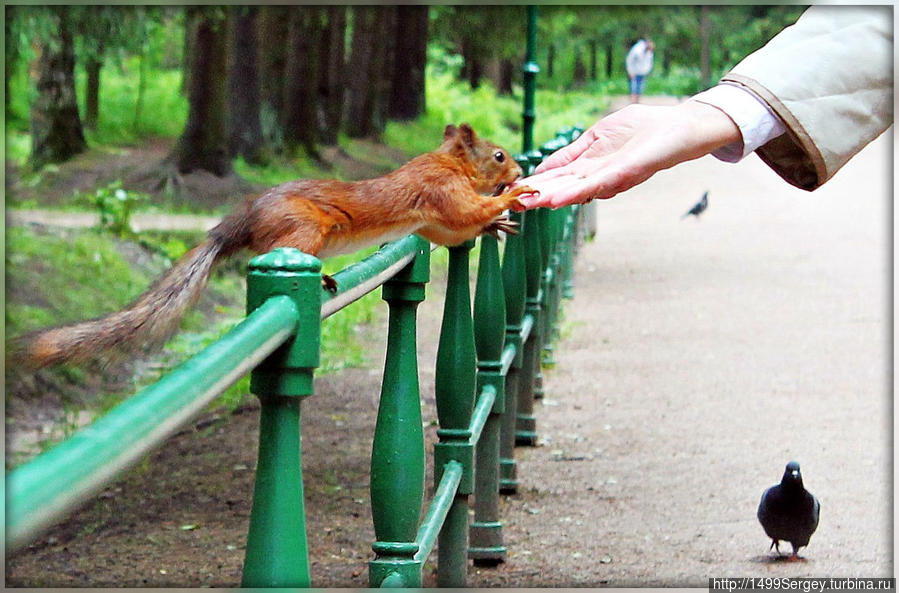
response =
{"points": [[789, 512]]}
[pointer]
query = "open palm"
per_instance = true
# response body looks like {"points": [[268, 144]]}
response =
{"points": [[627, 148]]}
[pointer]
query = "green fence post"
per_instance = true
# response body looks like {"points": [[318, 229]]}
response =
{"points": [[397, 460], [531, 381], [526, 422], [550, 238], [486, 548], [515, 283], [276, 554], [553, 262], [575, 223], [455, 389], [571, 235]]}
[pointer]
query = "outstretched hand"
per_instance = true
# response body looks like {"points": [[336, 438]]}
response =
{"points": [[625, 149]]}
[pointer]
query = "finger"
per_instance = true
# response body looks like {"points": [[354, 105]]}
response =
{"points": [[559, 192], [541, 178], [581, 167], [565, 155]]}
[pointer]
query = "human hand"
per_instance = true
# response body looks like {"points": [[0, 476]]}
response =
{"points": [[625, 149]]}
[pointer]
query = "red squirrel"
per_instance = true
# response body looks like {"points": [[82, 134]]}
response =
{"points": [[447, 196]]}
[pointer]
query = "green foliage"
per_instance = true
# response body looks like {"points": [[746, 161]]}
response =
{"points": [[341, 347], [735, 31], [65, 278], [278, 170], [18, 146], [493, 116], [163, 111], [115, 205]]}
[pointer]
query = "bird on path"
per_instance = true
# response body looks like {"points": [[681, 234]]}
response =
{"points": [[788, 511], [699, 207]]}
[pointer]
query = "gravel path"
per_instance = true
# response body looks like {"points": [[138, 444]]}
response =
{"points": [[139, 222], [698, 357]]}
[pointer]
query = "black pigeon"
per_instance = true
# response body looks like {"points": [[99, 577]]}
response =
{"points": [[788, 511], [699, 207]]}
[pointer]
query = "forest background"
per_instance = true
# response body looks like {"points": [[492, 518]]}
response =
{"points": [[121, 110]]}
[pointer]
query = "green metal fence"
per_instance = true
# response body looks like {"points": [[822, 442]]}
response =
{"points": [[487, 369], [488, 373]]}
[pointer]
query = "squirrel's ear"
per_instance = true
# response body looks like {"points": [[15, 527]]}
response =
{"points": [[449, 132], [468, 135]]}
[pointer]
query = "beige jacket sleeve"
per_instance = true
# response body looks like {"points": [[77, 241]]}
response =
{"points": [[829, 77]]}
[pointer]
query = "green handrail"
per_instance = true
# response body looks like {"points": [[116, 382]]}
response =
{"points": [[284, 297], [40, 491], [488, 374]]}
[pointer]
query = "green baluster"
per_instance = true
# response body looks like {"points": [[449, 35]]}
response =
{"points": [[276, 554], [551, 288], [455, 390], [544, 332], [526, 423], [571, 245], [397, 460], [490, 323], [515, 284]]}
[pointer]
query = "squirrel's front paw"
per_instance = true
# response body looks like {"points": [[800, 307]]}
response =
{"points": [[501, 223], [511, 197], [521, 189]]}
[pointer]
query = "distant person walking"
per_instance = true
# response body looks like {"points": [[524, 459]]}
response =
{"points": [[638, 64]]}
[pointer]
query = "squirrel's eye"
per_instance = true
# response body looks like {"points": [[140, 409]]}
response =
{"points": [[499, 156]]}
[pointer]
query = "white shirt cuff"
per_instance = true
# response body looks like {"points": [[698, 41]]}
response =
{"points": [[757, 123]]}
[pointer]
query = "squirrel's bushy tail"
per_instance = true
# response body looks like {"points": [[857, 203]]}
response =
{"points": [[148, 321]]}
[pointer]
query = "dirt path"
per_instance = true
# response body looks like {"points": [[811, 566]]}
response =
{"points": [[139, 222], [697, 358]]}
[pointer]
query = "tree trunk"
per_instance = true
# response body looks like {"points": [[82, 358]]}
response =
{"points": [[593, 60], [299, 116], [579, 77], [610, 56], [360, 89], [12, 54], [506, 76], [204, 142], [332, 82], [141, 88], [92, 92], [386, 55], [272, 23], [246, 129], [501, 72], [474, 67], [56, 132], [407, 97], [186, 55], [369, 60], [550, 61]]}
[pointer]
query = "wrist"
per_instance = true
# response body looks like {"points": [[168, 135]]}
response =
{"points": [[712, 125]]}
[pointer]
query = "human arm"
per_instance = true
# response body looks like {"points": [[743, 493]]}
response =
{"points": [[829, 79], [834, 97], [626, 148]]}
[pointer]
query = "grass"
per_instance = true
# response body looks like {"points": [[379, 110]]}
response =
{"points": [[51, 267]]}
